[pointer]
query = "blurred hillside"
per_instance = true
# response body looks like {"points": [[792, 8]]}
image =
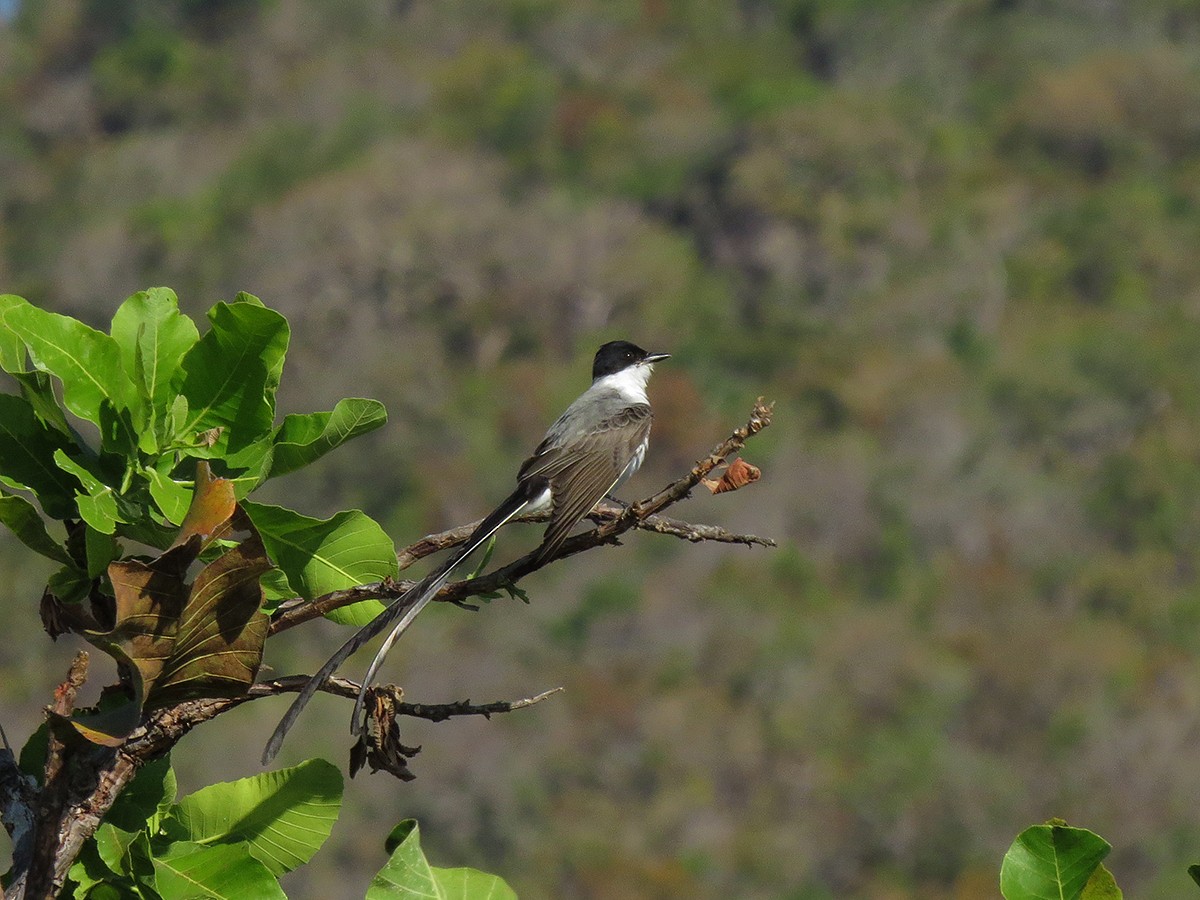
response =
{"points": [[957, 242]]}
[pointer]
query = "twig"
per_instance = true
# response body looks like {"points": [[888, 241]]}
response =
{"points": [[639, 515], [434, 712], [689, 531]]}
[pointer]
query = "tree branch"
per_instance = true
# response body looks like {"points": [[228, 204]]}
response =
{"points": [[642, 514], [434, 712]]}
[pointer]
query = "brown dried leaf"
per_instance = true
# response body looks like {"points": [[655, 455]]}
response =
{"points": [[212, 506], [173, 640], [379, 744], [209, 438], [218, 645], [59, 618], [738, 474], [111, 720]]}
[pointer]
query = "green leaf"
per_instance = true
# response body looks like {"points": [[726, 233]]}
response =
{"points": [[408, 875], [1051, 861], [86, 361], [319, 556], [101, 549], [113, 890], [231, 374], [148, 796], [275, 588], [153, 337], [38, 389], [303, 439], [12, 348], [70, 584], [26, 523], [248, 467], [98, 507], [27, 448], [285, 816], [172, 497], [113, 845], [1102, 886], [187, 871], [91, 874], [119, 435]]}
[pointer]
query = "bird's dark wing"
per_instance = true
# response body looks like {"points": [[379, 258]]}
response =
{"points": [[583, 471]]}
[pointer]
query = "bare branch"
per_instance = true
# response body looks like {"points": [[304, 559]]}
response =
{"points": [[640, 515], [434, 712], [689, 531]]}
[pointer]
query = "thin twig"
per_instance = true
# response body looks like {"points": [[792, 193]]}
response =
{"points": [[434, 712]]}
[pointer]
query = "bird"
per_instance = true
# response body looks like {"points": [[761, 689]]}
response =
{"points": [[589, 451]]}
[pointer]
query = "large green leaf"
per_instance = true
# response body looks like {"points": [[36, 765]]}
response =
{"points": [[1051, 862], [86, 361], [301, 439], [323, 555], [153, 336], [27, 448], [232, 373], [408, 876], [187, 871], [285, 816], [26, 523]]}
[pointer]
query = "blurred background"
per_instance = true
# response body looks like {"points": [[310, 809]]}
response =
{"points": [[957, 242]]}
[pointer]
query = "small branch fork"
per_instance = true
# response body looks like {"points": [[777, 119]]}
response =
{"points": [[49, 825]]}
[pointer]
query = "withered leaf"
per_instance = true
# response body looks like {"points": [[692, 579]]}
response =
{"points": [[212, 506], [174, 640], [738, 474], [218, 645], [109, 724], [379, 743]]}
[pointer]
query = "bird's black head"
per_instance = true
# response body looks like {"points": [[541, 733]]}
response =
{"points": [[617, 355]]}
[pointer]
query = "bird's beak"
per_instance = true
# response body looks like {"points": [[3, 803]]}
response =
{"points": [[655, 357]]}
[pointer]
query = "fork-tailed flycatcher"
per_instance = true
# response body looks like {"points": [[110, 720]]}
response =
{"points": [[589, 451]]}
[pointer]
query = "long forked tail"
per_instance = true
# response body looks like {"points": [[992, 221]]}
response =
{"points": [[405, 608]]}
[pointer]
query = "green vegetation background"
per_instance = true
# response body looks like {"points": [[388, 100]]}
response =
{"points": [[959, 242]]}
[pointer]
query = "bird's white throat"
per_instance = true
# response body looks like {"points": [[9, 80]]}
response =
{"points": [[630, 382]]}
